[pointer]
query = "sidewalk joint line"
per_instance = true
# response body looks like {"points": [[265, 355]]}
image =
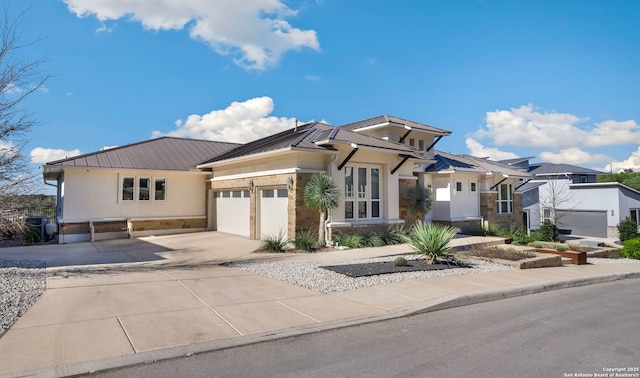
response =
{"points": [[127, 335], [204, 303], [299, 312]]}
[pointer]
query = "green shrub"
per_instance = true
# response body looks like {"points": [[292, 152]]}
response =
{"points": [[274, 243], [631, 249], [627, 229], [400, 261], [432, 240], [494, 229], [548, 232], [394, 235], [537, 245], [560, 248], [306, 240], [373, 240], [349, 240]]}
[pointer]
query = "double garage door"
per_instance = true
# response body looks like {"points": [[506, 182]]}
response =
{"points": [[584, 222], [233, 212]]}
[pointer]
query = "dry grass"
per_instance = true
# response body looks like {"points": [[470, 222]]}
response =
{"points": [[510, 254]]}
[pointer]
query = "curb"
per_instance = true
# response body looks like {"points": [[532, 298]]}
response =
{"points": [[443, 303]]}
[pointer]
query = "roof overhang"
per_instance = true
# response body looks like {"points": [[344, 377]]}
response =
{"points": [[262, 155]]}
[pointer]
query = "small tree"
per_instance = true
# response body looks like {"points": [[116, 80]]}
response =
{"points": [[417, 199], [321, 194], [555, 196], [627, 229]]}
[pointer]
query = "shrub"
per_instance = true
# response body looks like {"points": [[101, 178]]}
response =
{"points": [[538, 245], [394, 235], [627, 229], [306, 240], [560, 248], [432, 240], [548, 232], [373, 240], [400, 261], [274, 243], [350, 240], [631, 249], [494, 230]]}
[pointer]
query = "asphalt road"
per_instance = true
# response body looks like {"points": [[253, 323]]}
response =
{"points": [[585, 331]]}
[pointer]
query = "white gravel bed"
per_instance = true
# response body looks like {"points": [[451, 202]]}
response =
{"points": [[21, 283], [311, 276], [602, 260]]}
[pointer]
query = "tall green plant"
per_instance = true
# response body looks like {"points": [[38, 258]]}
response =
{"points": [[321, 194], [627, 229], [432, 240], [417, 199]]}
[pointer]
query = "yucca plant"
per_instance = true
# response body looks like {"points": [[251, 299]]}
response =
{"points": [[349, 240], [305, 240], [274, 243], [432, 240], [321, 194]]}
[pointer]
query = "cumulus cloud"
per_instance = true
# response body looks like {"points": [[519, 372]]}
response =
{"points": [[528, 128], [478, 150], [45, 155], [240, 122], [573, 156], [253, 32], [633, 162]]}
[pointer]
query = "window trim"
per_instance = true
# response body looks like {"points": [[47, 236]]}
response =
{"points": [[353, 201], [509, 201]]}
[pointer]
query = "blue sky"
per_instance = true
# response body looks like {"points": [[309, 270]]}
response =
{"points": [[558, 80]]}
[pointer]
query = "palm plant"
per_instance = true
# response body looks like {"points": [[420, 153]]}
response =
{"points": [[321, 194], [417, 199], [432, 240]]}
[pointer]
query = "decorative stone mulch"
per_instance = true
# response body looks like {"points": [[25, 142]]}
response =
{"points": [[388, 267]]}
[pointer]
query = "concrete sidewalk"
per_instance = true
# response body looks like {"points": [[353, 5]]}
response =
{"points": [[171, 298]]}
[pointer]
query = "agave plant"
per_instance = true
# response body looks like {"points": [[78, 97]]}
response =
{"points": [[432, 240]]}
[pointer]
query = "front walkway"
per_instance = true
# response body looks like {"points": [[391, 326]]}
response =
{"points": [[168, 296]]}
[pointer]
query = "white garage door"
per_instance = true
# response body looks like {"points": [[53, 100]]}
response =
{"points": [[274, 217], [232, 212]]}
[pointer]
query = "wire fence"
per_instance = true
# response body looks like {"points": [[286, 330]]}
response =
{"points": [[18, 214]]}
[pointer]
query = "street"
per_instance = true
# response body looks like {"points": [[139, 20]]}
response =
{"points": [[586, 331]]}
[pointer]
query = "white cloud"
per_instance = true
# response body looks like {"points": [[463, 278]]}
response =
{"points": [[253, 32], [478, 150], [240, 122], [613, 132], [45, 155], [633, 162], [573, 156]]}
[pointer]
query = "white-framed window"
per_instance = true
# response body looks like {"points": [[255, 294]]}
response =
{"points": [[635, 215], [505, 199], [458, 186], [144, 189], [160, 189], [128, 187], [421, 144], [412, 142], [547, 214], [362, 189], [473, 187]]}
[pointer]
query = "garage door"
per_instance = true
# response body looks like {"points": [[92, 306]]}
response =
{"points": [[232, 212], [584, 222], [274, 217]]}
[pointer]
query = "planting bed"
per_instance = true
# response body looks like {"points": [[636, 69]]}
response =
{"points": [[387, 267]]}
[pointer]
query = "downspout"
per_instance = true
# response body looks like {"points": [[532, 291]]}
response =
{"points": [[328, 218]]}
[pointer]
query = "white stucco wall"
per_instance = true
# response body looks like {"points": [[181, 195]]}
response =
{"points": [[96, 194]]}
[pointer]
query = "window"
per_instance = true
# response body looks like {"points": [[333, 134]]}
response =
{"points": [[635, 215], [267, 193], [144, 187], [583, 179], [282, 193], [546, 214], [366, 204], [226, 194], [127, 188], [160, 189], [236, 194], [505, 199], [458, 186], [421, 144], [412, 142], [473, 187]]}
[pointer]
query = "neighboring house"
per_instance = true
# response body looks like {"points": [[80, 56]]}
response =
{"points": [[172, 185], [470, 192], [137, 189], [570, 196]]}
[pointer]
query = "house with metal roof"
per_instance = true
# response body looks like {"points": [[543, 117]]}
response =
{"points": [[470, 192], [138, 189], [571, 197]]}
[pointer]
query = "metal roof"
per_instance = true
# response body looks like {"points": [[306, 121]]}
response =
{"points": [[469, 164], [544, 169], [166, 153], [395, 121], [315, 136]]}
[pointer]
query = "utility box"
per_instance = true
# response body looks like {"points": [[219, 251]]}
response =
{"points": [[40, 224]]}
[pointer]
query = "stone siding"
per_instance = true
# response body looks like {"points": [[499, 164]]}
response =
{"points": [[168, 224], [489, 210]]}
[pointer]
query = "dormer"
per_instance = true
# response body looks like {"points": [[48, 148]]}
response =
{"points": [[421, 137]]}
